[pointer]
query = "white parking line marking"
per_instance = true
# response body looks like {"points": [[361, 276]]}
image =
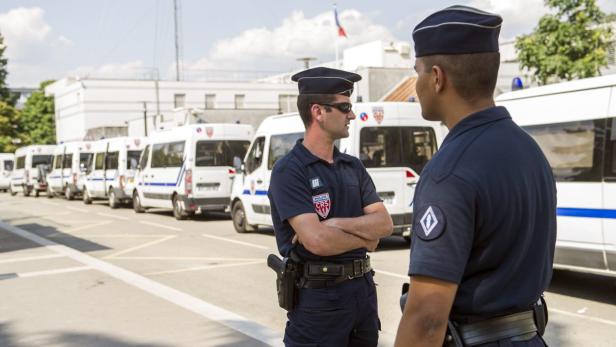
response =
{"points": [[147, 244], [234, 241], [126, 236], [40, 257], [159, 225], [50, 203], [204, 267], [76, 209], [188, 302], [391, 274], [53, 272], [87, 226], [582, 316], [187, 258], [112, 216]]}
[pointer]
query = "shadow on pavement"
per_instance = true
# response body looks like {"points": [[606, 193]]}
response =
{"points": [[553, 334], [57, 236], [10, 242], [585, 286]]}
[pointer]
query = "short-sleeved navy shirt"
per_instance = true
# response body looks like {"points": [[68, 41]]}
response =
{"points": [[485, 216], [303, 183]]}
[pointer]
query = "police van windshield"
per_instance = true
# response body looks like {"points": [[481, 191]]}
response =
{"points": [[219, 153], [8, 165], [41, 159], [132, 159], [397, 147], [281, 145]]}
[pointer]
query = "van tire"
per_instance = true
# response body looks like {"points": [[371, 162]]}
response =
{"points": [[26, 191], [11, 191], [178, 211], [68, 193], [238, 216], [113, 201], [36, 193], [49, 192], [137, 203], [86, 197]]}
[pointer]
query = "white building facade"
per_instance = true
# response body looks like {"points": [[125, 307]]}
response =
{"points": [[84, 105]]}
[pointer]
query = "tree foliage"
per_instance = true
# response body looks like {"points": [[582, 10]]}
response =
{"points": [[9, 128], [569, 43], [5, 93], [37, 117]]}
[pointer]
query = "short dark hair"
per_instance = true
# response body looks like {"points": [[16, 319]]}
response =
{"points": [[472, 75], [305, 102]]}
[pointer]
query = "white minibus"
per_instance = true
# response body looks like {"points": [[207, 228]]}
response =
{"points": [[190, 168], [6, 166], [67, 176], [574, 123], [392, 140], [111, 171], [31, 166]]}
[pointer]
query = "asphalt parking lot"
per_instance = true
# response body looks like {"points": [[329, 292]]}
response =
{"points": [[77, 275]]}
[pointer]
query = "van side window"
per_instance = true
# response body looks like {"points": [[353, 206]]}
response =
{"points": [[57, 162], [68, 161], [280, 145], [20, 163], [99, 160], [167, 154], [111, 160], [132, 159], [610, 151], [42, 160], [144, 157], [573, 149], [255, 156], [219, 153], [8, 165], [84, 159], [397, 147]]}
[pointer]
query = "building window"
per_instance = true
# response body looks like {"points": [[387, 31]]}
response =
{"points": [[287, 103], [239, 101], [179, 100], [210, 101]]}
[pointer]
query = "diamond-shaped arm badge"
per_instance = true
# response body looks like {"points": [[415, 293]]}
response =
{"points": [[430, 222]]}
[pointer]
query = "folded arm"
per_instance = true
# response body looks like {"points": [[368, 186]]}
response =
{"points": [[376, 223], [324, 240]]}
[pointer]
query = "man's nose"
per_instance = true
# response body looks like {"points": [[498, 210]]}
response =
{"points": [[351, 115]]}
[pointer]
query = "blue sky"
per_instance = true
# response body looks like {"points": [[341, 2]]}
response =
{"points": [[125, 38]]}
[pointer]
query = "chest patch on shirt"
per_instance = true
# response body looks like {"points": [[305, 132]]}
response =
{"points": [[322, 204], [431, 223], [315, 183]]}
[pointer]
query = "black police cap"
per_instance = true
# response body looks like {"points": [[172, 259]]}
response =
{"points": [[323, 80], [457, 30]]}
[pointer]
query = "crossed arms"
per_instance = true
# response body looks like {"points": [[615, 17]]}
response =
{"points": [[339, 235]]}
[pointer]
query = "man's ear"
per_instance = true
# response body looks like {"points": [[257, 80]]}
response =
{"points": [[438, 76], [317, 113]]}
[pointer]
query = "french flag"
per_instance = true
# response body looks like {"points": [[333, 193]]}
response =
{"points": [[341, 31]]}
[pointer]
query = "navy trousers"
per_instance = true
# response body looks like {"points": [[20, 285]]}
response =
{"points": [[342, 315]]}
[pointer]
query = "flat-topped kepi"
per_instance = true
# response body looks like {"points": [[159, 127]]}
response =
{"points": [[457, 30], [324, 80]]}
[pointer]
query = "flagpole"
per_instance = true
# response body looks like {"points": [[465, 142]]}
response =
{"points": [[336, 43]]}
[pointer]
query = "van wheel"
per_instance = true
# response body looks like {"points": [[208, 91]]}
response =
{"points": [[178, 211], [11, 191], [407, 239], [68, 193], [238, 215], [137, 203], [26, 191], [37, 193], [86, 197], [113, 202], [49, 193]]}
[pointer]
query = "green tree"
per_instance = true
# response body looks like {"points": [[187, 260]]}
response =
{"points": [[569, 43], [37, 117], [5, 93], [9, 128]]}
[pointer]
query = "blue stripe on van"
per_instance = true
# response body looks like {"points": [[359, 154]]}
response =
{"points": [[257, 192], [586, 212], [165, 184]]}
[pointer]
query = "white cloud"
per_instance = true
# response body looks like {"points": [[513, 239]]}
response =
{"points": [[297, 36], [519, 17], [131, 69]]}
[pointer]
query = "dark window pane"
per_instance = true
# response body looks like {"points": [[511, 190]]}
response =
{"points": [[175, 154], [8, 165], [281, 145], [219, 153], [57, 162], [111, 161], [68, 161], [610, 150], [99, 161], [21, 163], [132, 159], [158, 155], [255, 158], [41, 160], [574, 149], [84, 159], [144, 158]]}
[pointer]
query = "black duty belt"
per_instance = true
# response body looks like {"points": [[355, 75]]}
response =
{"points": [[518, 327], [321, 275]]}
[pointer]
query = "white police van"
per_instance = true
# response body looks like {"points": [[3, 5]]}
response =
{"points": [[7, 161], [31, 166], [67, 175], [574, 123], [111, 170], [392, 140], [190, 168]]}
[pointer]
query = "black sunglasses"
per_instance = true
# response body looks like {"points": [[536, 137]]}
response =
{"points": [[344, 107]]}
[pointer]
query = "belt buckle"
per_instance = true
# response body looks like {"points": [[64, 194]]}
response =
{"points": [[358, 268]]}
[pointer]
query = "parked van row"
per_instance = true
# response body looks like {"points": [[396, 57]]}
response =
{"points": [[31, 166]]}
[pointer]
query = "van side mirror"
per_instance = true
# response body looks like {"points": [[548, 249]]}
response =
{"points": [[237, 164]]}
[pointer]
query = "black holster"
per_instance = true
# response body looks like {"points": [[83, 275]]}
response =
{"points": [[540, 313], [286, 280]]}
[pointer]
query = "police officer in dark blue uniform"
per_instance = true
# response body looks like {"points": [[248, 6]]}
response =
{"points": [[326, 215], [484, 210]]}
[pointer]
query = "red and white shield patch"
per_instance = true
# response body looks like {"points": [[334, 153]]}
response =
{"points": [[209, 131], [322, 204]]}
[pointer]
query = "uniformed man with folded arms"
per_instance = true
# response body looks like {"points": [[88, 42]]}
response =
{"points": [[326, 216], [484, 209]]}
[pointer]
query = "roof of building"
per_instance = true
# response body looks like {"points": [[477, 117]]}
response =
{"points": [[404, 91]]}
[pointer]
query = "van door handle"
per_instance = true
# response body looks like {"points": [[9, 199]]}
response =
{"points": [[411, 184], [259, 181]]}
